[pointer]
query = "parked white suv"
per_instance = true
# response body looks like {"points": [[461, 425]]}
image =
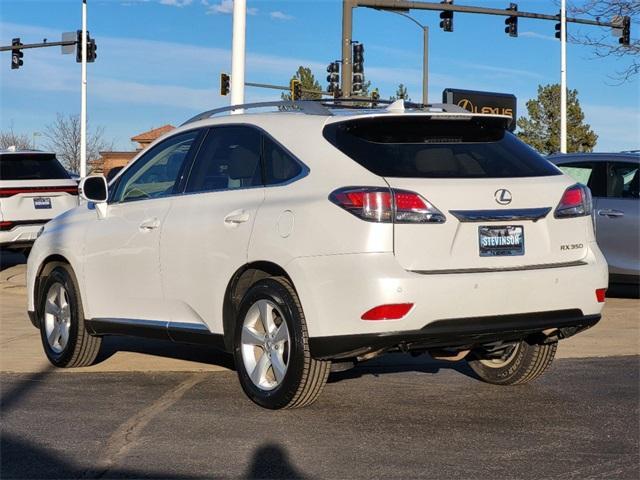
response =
{"points": [[34, 188], [319, 235]]}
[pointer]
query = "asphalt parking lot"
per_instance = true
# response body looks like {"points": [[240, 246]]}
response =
{"points": [[148, 410]]}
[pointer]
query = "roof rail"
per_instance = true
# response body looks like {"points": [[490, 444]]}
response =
{"points": [[323, 106]]}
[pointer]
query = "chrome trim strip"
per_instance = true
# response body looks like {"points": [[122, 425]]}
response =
{"points": [[541, 266], [520, 214]]}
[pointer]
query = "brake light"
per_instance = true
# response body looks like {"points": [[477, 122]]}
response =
{"points": [[385, 205], [575, 202], [9, 192], [394, 311], [600, 294]]}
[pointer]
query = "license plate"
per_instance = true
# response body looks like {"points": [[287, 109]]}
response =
{"points": [[41, 203], [504, 241]]}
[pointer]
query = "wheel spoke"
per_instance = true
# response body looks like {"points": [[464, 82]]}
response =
{"points": [[51, 308], [279, 368], [282, 333], [54, 335], [266, 316], [260, 370], [64, 335], [60, 295], [251, 337]]}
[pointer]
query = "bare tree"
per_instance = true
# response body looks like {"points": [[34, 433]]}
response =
{"points": [[64, 139], [10, 138], [604, 43]]}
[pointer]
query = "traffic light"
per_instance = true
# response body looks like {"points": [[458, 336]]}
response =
{"points": [[91, 49], [225, 84], [333, 78], [446, 18], [558, 30], [357, 78], [296, 89], [625, 39], [16, 55], [512, 21]]}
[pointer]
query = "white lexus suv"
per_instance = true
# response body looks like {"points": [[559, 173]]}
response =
{"points": [[34, 188], [320, 235]]}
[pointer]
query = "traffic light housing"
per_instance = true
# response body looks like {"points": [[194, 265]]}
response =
{"points": [[625, 38], [16, 54], [91, 49], [446, 18], [558, 28], [357, 77], [512, 22], [225, 84], [334, 77], [296, 89]]}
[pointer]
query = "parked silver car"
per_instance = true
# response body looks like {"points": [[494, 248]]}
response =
{"points": [[614, 182]]}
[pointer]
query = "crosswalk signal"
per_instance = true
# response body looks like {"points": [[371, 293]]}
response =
{"points": [[512, 21], [625, 38], [296, 89], [334, 77], [225, 84], [16, 55], [357, 78]]}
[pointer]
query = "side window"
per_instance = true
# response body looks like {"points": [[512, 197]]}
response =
{"points": [[279, 165], [228, 159], [622, 180], [157, 173], [589, 174]]}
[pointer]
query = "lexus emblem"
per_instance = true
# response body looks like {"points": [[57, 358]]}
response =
{"points": [[503, 196]]}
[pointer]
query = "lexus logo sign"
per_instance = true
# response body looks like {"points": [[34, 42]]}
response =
{"points": [[503, 196]]}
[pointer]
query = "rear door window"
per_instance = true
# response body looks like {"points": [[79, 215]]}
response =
{"points": [[31, 166], [229, 159], [421, 147], [279, 165], [622, 180], [591, 174]]}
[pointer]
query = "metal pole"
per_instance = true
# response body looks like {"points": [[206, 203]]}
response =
{"points": [[425, 66], [347, 36], [563, 77], [83, 95], [238, 53]]}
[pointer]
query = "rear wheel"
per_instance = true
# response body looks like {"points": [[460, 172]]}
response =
{"points": [[65, 340], [517, 364], [271, 348]]}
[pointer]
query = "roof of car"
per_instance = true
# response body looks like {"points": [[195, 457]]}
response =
{"points": [[593, 157], [15, 151]]}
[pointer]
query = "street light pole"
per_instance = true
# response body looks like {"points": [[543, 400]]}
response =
{"points": [[83, 95], [563, 76]]}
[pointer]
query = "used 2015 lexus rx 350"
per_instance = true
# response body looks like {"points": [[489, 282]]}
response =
{"points": [[320, 235]]}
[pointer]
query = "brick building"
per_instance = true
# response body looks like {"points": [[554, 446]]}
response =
{"points": [[109, 160]]}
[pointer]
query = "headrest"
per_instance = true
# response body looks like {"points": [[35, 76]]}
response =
{"points": [[242, 163]]}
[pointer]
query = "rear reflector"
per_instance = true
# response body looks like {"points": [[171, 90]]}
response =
{"points": [[4, 226], [600, 294], [9, 192], [575, 202], [394, 311], [383, 205]]}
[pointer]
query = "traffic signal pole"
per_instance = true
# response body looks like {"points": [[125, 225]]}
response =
{"points": [[83, 95], [563, 76], [347, 40], [238, 53]]}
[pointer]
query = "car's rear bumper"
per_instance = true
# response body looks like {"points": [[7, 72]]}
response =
{"points": [[335, 291], [23, 234], [459, 333]]}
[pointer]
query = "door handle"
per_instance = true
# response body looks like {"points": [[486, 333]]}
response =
{"points": [[236, 217], [150, 224], [608, 212]]}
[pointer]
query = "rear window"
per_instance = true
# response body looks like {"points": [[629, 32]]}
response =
{"points": [[413, 147], [31, 166]]}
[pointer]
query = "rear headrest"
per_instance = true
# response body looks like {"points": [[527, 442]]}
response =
{"points": [[615, 184], [242, 163]]}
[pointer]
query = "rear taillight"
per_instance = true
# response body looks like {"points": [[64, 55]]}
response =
{"points": [[9, 192], [575, 202], [385, 205], [601, 293], [4, 226]]}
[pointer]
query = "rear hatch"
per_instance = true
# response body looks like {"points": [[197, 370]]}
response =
{"points": [[34, 187], [497, 197]]}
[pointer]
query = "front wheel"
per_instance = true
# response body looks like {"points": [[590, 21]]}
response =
{"points": [[519, 363], [271, 348]]}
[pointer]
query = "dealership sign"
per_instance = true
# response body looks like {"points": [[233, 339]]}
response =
{"points": [[483, 102]]}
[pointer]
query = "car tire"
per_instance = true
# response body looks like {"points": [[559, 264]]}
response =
{"points": [[65, 339], [523, 364], [274, 365]]}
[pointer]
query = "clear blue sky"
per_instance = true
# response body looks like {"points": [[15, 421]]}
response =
{"points": [[159, 60]]}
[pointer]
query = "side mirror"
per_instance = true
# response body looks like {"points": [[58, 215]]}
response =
{"points": [[94, 189]]}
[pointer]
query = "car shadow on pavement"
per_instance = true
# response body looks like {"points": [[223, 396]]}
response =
{"points": [[401, 363], [163, 348], [272, 461]]}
